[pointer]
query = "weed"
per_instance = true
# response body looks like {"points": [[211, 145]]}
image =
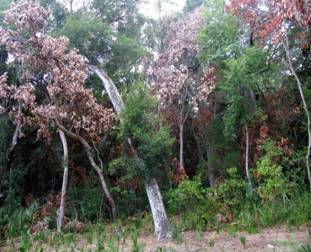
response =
{"points": [[134, 238], [243, 241], [176, 233], [304, 248]]}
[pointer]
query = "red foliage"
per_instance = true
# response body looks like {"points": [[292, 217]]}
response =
{"points": [[68, 101], [267, 17]]}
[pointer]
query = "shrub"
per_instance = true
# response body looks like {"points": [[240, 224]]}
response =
{"points": [[272, 182], [232, 190]]}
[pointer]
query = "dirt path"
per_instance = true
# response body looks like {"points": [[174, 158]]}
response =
{"points": [[276, 239]]}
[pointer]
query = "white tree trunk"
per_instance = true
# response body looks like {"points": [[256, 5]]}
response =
{"points": [[61, 210], [160, 219], [181, 147], [97, 169], [305, 106], [247, 158], [17, 133], [161, 224]]}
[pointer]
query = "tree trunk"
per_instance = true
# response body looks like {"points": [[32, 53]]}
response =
{"points": [[305, 106], [61, 210], [160, 219], [161, 224], [181, 147], [247, 158], [211, 176], [16, 134], [89, 154]]}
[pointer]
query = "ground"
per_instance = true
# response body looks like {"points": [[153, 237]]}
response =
{"points": [[279, 239], [276, 239]]}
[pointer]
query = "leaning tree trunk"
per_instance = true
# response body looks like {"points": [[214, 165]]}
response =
{"points": [[89, 154], [161, 224], [247, 158], [305, 106], [61, 210], [160, 219]]}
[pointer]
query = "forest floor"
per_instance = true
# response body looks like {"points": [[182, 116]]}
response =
{"points": [[278, 239]]}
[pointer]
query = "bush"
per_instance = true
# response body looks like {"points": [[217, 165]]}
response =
{"points": [[272, 182], [232, 191], [196, 205]]}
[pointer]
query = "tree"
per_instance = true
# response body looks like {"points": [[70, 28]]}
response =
{"points": [[273, 23], [68, 105], [151, 141], [178, 78], [192, 4], [266, 18], [160, 219]]}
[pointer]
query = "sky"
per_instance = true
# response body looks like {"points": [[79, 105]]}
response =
{"points": [[148, 8]]}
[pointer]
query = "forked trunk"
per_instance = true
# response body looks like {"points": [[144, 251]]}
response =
{"points": [[61, 210], [160, 219], [305, 107]]}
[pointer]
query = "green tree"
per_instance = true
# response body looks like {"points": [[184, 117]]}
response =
{"points": [[150, 136]]}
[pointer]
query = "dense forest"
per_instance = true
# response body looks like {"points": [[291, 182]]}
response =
{"points": [[116, 126]]}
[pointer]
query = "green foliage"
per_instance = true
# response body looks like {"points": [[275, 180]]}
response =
{"points": [[92, 37], [4, 5], [243, 241], [129, 192], [232, 191], [243, 78], [192, 4], [18, 221], [216, 145], [272, 184], [125, 57], [141, 123], [219, 39], [188, 193], [203, 204], [86, 203]]}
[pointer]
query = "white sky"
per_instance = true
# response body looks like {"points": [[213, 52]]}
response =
{"points": [[148, 7]]}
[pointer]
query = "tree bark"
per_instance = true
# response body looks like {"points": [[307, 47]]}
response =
{"points": [[89, 154], [61, 210], [247, 158], [160, 219], [181, 147], [16, 135], [305, 106], [161, 224]]}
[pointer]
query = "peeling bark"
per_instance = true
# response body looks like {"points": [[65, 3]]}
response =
{"points": [[61, 210], [160, 219]]}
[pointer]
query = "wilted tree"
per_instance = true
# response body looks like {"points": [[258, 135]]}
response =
{"points": [[68, 105], [178, 79]]}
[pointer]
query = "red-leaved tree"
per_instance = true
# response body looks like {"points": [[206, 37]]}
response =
{"points": [[179, 81], [68, 105]]}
